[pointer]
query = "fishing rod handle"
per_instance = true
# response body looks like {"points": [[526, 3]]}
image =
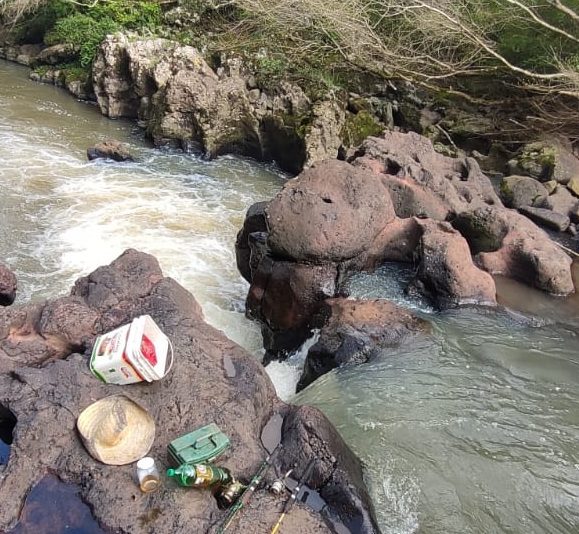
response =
{"points": [[277, 526]]}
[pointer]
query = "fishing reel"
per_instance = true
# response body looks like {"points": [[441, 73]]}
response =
{"points": [[228, 493], [279, 484]]}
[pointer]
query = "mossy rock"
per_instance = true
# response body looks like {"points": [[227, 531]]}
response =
{"points": [[537, 160], [358, 127], [520, 191], [483, 230], [545, 161]]}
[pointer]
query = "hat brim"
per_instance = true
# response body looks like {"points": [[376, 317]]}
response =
{"points": [[135, 440]]}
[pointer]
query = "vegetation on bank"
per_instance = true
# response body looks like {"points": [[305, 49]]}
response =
{"points": [[515, 55]]}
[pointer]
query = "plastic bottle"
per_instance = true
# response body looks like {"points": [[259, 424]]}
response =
{"points": [[148, 475], [199, 475]]}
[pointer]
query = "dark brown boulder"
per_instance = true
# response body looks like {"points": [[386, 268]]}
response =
{"points": [[310, 436], [354, 331], [284, 296], [45, 398], [446, 273], [331, 212], [505, 242], [255, 222], [109, 149], [8, 286]]}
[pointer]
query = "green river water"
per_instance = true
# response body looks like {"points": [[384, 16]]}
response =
{"points": [[473, 429]]}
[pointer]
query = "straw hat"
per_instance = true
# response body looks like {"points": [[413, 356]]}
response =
{"points": [[116, 430]]}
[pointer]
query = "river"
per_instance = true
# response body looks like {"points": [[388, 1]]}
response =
{"points": [[472, 429]]}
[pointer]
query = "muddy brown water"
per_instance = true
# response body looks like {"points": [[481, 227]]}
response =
{"points": [[474, 429]]}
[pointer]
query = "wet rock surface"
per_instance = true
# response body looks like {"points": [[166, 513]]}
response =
{"points": [[8, 286], [53, 506], [285, 296], [356, 330], [110, 149], [46, 384]]}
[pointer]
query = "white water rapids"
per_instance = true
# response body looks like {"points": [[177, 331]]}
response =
{"points": [[472, 429]]}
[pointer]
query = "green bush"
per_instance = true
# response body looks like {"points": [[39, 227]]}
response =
{"points": [[87, 27], [83, 32]]}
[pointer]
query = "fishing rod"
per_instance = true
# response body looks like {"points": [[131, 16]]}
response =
{"points": [[249, 491], [294, 495]]}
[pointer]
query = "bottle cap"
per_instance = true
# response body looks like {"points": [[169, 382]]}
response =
{"points": [[146, 463], [170, 472]]}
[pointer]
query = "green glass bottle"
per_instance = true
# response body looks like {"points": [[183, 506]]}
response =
{"points": [[200, 475]]}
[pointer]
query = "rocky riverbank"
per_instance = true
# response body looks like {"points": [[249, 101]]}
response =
{"points": [[180, 100], [45, 383], [395, 199]]}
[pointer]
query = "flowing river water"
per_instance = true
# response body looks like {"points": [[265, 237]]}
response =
{"points": [[473, 428]]}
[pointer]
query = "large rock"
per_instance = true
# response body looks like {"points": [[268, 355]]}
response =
{"points": [[112, 81], [199, 107], [421, 181], [549, 219], [47, 396], [561, 201], [254, 223], [59, 53], [284, 296], [180, 100], [338, 218], [355, 330], [521, 191], [310, 436], [508, 243], [323, 139], [109, 149], [546, 160], [8, 286], [172, 88], [446, 273], [330, 212]]}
